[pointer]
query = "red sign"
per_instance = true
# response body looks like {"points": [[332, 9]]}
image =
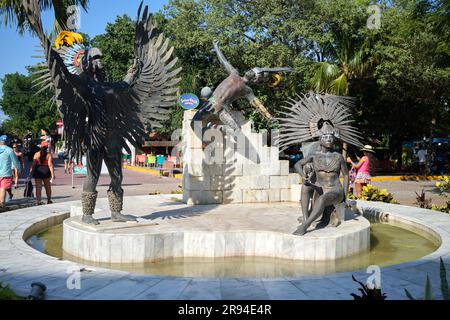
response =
{"points": [[59, 123]]}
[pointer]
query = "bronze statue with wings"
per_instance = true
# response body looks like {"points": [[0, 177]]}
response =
{"points": [[101, 116]]}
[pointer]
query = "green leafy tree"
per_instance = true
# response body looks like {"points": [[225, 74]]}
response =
{"points": [[27, 111], [412, 76], [117, 46]]}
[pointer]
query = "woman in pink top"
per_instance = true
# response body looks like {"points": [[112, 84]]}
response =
{"points": [[363, 166]]}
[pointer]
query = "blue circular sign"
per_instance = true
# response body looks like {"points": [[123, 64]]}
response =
{"points": [[189, 101]]}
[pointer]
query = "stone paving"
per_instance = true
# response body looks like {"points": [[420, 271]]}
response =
{"points": [[139, 183], [404, 191], [20, 265]]}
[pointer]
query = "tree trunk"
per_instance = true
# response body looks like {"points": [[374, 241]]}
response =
{"points": [[399, 156]]}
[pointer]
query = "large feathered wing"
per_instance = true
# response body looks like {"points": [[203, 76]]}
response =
{"points": [[68, 88], [153, 78]]}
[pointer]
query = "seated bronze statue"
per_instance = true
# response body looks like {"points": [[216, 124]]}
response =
{"points": [[327, 167], [317, 120]]}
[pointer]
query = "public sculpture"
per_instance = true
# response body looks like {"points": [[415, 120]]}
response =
{"points": [[101, 116], [319, 119], [233, 88]]}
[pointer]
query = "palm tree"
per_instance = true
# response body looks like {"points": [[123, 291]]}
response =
{"points": [[347, 61], [13, 13]]}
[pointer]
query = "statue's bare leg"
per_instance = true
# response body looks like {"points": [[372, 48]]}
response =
{"points": [[89, 194], [327, 199], [227, 119], [306, 196], [115, 192]]}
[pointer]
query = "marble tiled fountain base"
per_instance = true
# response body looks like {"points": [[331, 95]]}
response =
{"points": [[167, 228]]}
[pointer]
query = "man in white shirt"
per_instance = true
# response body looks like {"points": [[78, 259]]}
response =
{"points": [[422, 157]]}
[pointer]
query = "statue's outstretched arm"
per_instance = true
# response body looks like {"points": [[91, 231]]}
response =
{"points": [[227, 65], [256, 103]]}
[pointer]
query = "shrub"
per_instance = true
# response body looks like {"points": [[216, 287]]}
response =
{"points": [[422, 201], [372, 193], [444, 190], [368, 293]]}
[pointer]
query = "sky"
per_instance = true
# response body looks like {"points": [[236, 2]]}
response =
{"points": [[16, 51]]}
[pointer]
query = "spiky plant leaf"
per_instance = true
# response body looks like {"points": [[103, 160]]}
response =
{"points": [[409, 295], [428, 290]]}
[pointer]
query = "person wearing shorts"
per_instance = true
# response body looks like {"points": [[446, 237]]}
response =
{"points": [[363, 176], [21, 159], [43, 172], [8, 160]]}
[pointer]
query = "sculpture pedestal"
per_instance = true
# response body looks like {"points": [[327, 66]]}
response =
{"points": [[167, 228], [244, 167]]}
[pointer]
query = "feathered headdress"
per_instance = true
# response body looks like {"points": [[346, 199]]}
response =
{"points": [[314, 115], [70, 47], [68, 39], [71, 50]]}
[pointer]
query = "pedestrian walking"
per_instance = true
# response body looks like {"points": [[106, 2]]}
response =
{"points": [[68, 163], [42, 171], [21, 159], [7, 160]]}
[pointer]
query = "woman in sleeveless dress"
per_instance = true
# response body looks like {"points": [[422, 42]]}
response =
{"points": [[363, 166], [43, 172]]}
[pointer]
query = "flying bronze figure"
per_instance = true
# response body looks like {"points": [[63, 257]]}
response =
{"points": [[101, 116], [233, 88]]}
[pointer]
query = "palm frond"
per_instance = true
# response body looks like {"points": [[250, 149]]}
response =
{"points": [[325, 73], [339, 86], [13, 13]]}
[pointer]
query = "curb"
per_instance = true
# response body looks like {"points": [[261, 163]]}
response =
{"points": [[406, 178]]}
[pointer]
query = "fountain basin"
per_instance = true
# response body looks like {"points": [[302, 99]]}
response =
{"points": [[175, 230]]}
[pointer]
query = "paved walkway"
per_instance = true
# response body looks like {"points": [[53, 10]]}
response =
{"points": [[134, 183], [139, 181], [20, 265], [405, 191]]}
